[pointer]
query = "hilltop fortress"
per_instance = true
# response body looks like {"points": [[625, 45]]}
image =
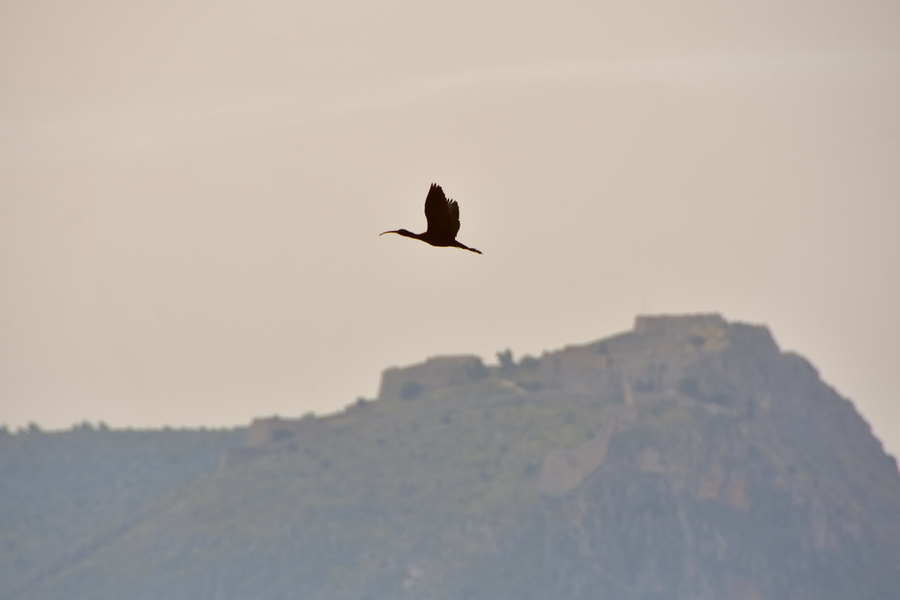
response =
{"points": [[635, 368]]}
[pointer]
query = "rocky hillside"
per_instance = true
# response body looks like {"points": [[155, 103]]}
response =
{"points": [[64, 494], [686, 459]]}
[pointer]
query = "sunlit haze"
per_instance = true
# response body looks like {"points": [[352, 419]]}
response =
{"points": [[191, 193]]}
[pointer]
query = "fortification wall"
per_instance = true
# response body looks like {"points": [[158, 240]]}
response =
{"points": [[408, 383], [263, 432]]}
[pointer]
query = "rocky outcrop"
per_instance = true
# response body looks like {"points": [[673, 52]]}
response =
{"points": [[724, 474]]}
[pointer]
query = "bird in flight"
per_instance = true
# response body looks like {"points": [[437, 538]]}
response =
{"points": [[442, 215]]}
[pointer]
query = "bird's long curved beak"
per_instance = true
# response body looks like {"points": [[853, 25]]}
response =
{"points": [[393, 231]]}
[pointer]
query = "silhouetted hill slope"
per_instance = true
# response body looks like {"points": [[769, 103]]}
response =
{"points": [[61, 492], [689, 458]]}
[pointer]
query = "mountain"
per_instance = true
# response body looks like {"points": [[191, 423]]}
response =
{"points": [[64, 494], [688, 458]]}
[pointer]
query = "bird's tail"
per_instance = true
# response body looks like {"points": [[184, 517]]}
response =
{"points": [[464, 247]]}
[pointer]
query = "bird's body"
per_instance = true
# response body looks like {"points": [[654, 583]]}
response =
{"points": [[442, 215]]}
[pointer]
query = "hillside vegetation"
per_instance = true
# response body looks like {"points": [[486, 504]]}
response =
{"points": [[62, 493], [689, 458]]}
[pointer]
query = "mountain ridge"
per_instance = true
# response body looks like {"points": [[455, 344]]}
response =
{"points": [[686, 458]]}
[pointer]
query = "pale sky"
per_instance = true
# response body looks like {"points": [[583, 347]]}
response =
{"points": [[191, 193]]}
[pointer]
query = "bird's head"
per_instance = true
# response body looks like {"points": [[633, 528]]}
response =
{"points": [[402, 232]]}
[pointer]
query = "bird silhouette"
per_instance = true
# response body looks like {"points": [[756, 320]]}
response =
{"points": [[442, 215]]}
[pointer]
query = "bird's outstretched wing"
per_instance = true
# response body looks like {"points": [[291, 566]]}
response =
{"points": [[442, 214]]}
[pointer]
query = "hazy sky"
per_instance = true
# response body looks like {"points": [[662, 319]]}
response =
{"points": [[191, 193]]}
